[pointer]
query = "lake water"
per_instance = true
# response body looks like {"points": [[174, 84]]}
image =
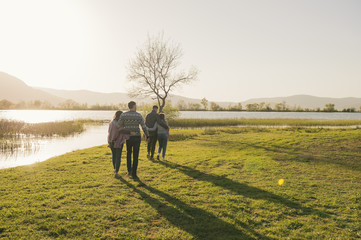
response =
{"points": [[35, 116], [45, 148]]}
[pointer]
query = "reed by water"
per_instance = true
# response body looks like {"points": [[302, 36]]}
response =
{"points": [[14, 134], [63, 128]]}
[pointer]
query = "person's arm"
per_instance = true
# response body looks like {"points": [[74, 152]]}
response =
{"points": [[142, 124], [147, 119], [124, 131], [111, 135], [153, 128], [162, 123], [109, 128], [167, 129]]}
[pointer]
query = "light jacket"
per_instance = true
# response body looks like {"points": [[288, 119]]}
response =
{"points": [[117, 136], [159, 128]]}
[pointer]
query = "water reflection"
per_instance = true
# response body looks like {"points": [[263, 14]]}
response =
{"points": [[37, 116], [40, 116], [35, 149]]}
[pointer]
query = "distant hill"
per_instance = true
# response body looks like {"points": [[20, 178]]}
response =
{"points": [[92, 98], [15, 90], [311, 102]]}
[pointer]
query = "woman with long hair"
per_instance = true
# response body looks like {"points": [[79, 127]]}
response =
{"points": [[163, 136], [116, 138]]}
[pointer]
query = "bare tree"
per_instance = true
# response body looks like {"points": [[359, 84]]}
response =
{"points": [[154, 71]]}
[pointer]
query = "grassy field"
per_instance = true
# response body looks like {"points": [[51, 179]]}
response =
{"points": [[215, 184], [199, 123]]}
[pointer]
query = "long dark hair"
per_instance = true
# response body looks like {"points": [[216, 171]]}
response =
{"points": [[162, 116], [117, 115]]}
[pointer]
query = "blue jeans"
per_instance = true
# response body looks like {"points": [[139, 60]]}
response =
{"points": [[116, 156], [163, 140], [133, 145]]}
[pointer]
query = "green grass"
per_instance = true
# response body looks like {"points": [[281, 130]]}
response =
{"points": [[200, 123], [217, 184]]}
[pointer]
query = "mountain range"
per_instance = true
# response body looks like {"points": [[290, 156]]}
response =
{"points": [[15, 90]]}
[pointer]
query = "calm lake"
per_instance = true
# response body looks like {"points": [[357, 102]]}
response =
{"points": [[35, 116], [39, 149]]}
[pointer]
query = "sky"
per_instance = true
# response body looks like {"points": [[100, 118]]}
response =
{"points": [[243, 49]]}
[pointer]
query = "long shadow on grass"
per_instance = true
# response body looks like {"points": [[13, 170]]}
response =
{"points": [[311, 155], [197, 222], [309, 149], [241, 188]]}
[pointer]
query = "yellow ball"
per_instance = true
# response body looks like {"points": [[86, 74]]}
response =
{"points": [[281, 181]]}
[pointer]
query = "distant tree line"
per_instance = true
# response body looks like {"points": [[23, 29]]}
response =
{"points": [[283, 107], [66, 105], [204, 105]]}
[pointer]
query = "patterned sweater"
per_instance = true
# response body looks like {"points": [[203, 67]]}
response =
{"points": [[131, 120]]}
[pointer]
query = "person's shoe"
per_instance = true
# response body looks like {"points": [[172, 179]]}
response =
{"points": [[158, 157], [128, 175], [163, 159], [151, 158], [117, 176], [148, 155]]}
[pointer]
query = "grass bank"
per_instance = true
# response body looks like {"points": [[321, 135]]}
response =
{"points": [[218, 184], [201, 123], [15, 134], [63, 128]]}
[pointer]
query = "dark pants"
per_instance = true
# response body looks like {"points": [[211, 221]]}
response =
{"points": [[133, 145], [152, 142], [116, 156], [163, 140]]}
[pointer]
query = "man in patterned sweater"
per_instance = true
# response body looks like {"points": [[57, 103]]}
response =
{"points": [[131, 120]]}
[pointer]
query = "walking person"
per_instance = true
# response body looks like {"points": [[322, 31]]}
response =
{"points": [[163, 135], [150, 120], [116, 138], [131, 120]]}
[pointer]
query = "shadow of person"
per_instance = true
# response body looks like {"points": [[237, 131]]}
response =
{"points": [[242, 188], [310, 154], [196, 221]]}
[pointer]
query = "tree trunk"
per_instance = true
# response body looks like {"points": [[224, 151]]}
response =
{"points": [[158, 101], [162, 105]]}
